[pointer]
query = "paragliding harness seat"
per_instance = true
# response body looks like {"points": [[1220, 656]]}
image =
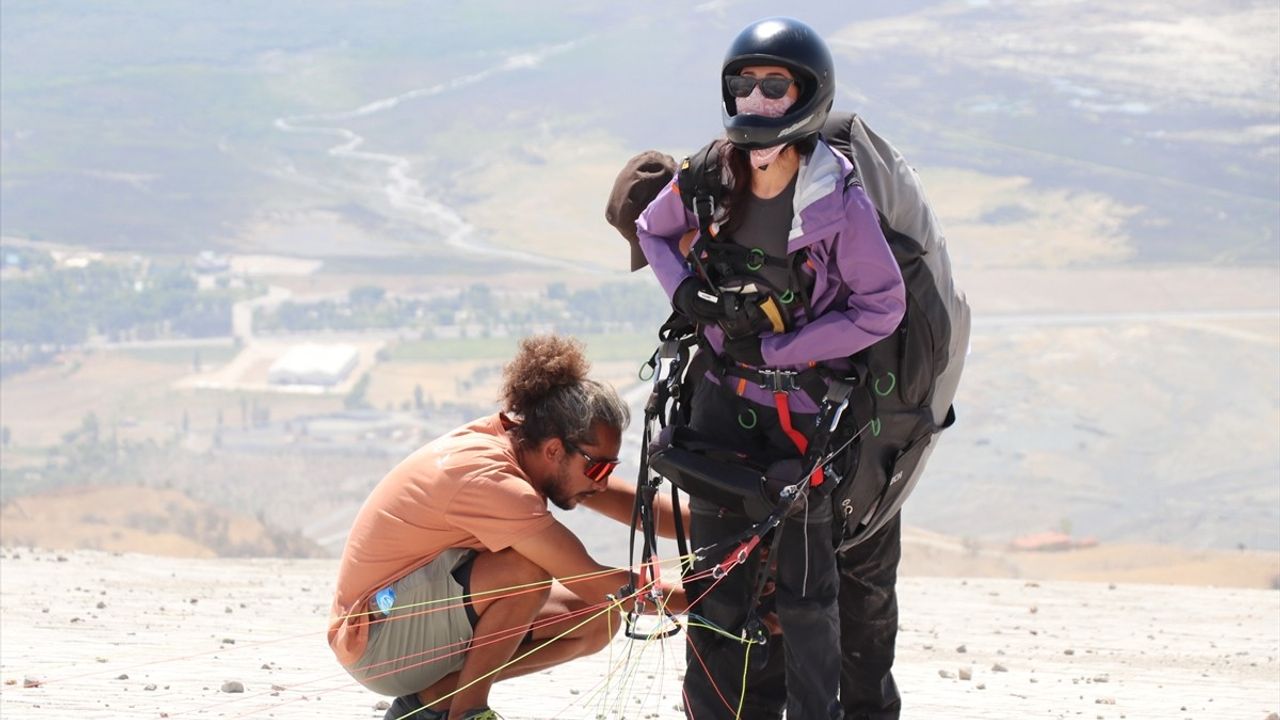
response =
{"points": [[765, 493]]}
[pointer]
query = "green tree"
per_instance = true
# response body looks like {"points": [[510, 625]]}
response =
{"points": [[366, 295], [356, 398], [89, 428]]}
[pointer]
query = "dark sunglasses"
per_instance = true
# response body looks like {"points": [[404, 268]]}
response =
{"points": [[597, 469], [771, 86]]}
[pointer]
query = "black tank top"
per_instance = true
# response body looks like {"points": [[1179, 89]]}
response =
{"points": [[765, 226]]}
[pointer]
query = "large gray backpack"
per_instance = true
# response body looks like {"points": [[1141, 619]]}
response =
{"points": [[911, 376]]}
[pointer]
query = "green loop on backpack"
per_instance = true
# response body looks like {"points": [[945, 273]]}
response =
{"points": [[755, 259], [875, 427], [787, 297], [893, 382], [748, 413], [653, 370]]}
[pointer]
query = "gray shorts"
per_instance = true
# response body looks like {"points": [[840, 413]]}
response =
{"points": [[425, 637]]}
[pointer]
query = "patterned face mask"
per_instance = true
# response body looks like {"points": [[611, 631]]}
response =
{"points": [[757, 104]]}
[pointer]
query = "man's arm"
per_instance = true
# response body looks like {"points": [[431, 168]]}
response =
{"points": [[558, 551], [619, 499]]}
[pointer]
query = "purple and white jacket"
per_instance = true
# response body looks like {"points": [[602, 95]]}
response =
{"points": [[847, 258]]}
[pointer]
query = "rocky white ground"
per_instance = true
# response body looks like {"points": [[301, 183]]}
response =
{"points": [[111, 636]]}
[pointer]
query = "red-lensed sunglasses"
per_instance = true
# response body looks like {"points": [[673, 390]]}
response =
{"points": [[597, 468]]}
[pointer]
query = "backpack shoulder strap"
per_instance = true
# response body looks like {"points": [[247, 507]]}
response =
{"points": [[838, 134], [699, 177], [701, 190]]}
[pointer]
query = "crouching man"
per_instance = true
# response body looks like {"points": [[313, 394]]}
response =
{"points": [[446, 581]]}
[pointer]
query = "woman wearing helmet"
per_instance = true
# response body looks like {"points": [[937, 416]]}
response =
{"points": [[795, 277]]}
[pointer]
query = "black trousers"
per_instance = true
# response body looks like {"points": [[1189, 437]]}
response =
{"points": [[869, 625], [867, 610], [805, 599]]}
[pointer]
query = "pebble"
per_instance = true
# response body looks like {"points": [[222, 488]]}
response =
{"points": [[122, 676], [966, 673], [945, 674], [962, 649], [101, 605], [999, 668], [31, 681], [1108, 701], [382, 705], [233, 686], [1068, 651], [149, 686]]}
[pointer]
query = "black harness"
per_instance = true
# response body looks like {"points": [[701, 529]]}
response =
{"points": [[671, 450], [765, 494]]}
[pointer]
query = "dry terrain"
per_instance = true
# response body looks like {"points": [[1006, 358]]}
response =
{"points": [[141, 398], [927, 553], [141, 519], [97, 635], [161, 521]]}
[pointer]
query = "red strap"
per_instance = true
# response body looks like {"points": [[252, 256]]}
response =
{"points": [[650, 573], [738, 555], [801, 442]]}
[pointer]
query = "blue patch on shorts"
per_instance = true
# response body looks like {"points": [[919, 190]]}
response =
{"points": [[385, 600]]}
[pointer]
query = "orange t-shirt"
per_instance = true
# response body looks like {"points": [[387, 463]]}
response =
{"points": [[462, 490]]}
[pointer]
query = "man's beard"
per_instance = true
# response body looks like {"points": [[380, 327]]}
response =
{"points": [[558, 492]]}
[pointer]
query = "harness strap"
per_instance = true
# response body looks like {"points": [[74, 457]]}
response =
{"points": [[682, 542], [729, 252], [753, 625], [797, 437], [812, 380], [797, 280], [703, 191]]}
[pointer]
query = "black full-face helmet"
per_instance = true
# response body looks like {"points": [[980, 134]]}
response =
{"points": [[795, 46]]}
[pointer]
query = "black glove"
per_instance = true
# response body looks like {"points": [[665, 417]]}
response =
{"points": [[743, 315], [745, 350], [695, 302]]}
